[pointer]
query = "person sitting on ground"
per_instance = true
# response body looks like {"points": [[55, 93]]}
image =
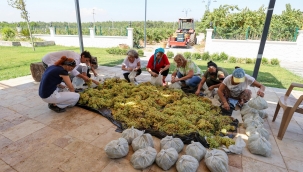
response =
{"points": [[235, 87], [187, 71], [50, 59], [213, 77], [131, 63], [84, 68], [48, 90], [158, 64]]}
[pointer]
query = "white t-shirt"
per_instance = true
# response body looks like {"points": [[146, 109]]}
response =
{"points": [[128, 64], [236, 90], [51, 58]]}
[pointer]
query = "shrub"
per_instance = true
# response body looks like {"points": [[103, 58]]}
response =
{"points": [[205, 56], [25, 33], [187, 55], [264, 60], [196, 56], [7, 33], [116, 50], [232, 59], [249, 60], [170, 54], [241, 60], [223, 56], [274, 61], [215, 57], [141, 53]]}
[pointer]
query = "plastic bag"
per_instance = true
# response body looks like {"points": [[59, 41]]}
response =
{"points": [[166, 158], [143, 158], [157, 81], [196, 150], [170, 142], [238, 146], [131, 133], [77, 82], [209, 93], [246, 109], [262, 113], [117, 148], [257, 130], [258, 144], [253, 121], [187, 163], [175, 85], [132, 76], [96, 78], [216, 160], [258, 103], [142, 141]]}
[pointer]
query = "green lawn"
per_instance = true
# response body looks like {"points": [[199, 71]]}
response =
{"points": [[15, 62]]}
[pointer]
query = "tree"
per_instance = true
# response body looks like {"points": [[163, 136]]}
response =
{"points": [[20, 5]]}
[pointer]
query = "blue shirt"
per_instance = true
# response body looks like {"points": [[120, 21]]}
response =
{"points": [[50, 80]]}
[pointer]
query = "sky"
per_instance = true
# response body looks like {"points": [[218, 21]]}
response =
{"points": [[127, 10]]}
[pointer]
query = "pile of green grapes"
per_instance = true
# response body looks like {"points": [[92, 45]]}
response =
{"points": [[159, 108]]}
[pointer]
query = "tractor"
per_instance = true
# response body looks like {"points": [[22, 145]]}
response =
{"points": [[185, 35]]}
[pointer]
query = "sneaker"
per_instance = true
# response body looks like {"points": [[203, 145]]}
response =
{"points": [[56, 108]]}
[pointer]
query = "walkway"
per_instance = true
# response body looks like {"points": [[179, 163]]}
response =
{"points": [[34, 138]]}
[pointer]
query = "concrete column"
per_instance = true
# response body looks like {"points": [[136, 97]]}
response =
{"points": [[92, 32], [130, 37], [300, 43], [208, 40], [52, 31]]}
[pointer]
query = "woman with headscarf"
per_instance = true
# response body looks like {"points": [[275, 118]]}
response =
{"points": [[54, 75], [158, 64], [186, 71], [213, 77]]}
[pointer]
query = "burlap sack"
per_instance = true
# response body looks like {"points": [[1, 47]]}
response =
{"points": [[166, 158], [196, 150], [216, 160], [142, 141], [170, 142], [143, 158], [131, 133], [257, 130], [187, 163], [258, 144]]}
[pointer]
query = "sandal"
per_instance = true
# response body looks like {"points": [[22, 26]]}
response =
{"points": [[56, 108]]}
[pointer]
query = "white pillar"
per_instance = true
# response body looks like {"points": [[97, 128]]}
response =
{"points": [[52, 31], [208, 40], [19, 29], [130, 37], [300, 43], [92, 32]]}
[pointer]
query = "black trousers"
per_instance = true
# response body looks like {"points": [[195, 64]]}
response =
{"points": [[164, 73], [126, 74]]}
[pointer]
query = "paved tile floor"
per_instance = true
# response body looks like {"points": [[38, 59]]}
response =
{"points": [[34, 138]]}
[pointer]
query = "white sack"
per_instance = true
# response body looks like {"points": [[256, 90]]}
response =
{"points": [[131, 133], [157, 81], [258, 144], [216, 161], [166, 158], [257, 130], [196, 150], [258, 103], [187, 163], [238, 146], [170, 142], [143, 158], [142, 141], [175, 85], [117, 148]]}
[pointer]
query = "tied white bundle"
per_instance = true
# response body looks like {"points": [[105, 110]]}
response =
{"points": [[258, 103], [117, 148], [175, 85], [142, 141], [187, 163], [196, 150], [253, 121], [216, 160], [143, 158], [157, 81], [166, 158], [257, 144], [169, 141], [246, 109], [131, 133], [257, 130], [132, 76]]}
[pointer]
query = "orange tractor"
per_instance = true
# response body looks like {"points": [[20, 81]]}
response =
{"points": [[185, 35]]}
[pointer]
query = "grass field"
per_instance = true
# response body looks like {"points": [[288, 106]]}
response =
{"points": [[15, 62]]}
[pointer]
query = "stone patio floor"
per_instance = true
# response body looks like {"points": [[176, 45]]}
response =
{"points": [[34, 138]]}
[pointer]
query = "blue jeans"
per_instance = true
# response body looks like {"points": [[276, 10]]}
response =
{"points": [[192, 82]]}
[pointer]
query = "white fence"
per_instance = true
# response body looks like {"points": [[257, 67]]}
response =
{"points": [[249, 48]]}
